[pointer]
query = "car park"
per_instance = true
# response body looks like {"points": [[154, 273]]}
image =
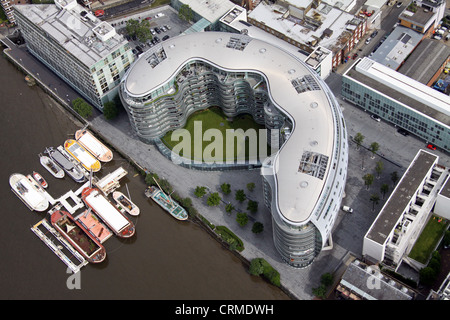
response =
{"points": [[375, 117], [431, 147]]}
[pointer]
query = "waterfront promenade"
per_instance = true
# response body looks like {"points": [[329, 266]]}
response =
{"points": [[349, 229]]}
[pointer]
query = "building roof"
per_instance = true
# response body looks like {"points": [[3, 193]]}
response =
{"points": [[397, 46], [370, 284], [401, 88], [78, 31], [309, 111], [425, 61], [393, 209], [445, 190], [211, 10], [332, 26], [421, 17]]}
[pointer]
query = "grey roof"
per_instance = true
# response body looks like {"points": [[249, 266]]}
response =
{"points": [[74, 30], [425, 61], [393, 209], [402, 89], [371, 284], [397, 46]]}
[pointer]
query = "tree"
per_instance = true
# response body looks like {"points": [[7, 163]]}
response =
{"points": [[256, 267], [384, 189], [240, 195], [250, 186], [110, 110], [326, 279], [320, 292], [213, 199], [200, 191], [258, 227], [185, 13], [83, 108], [368, 180], [242, 218], [252, 206], [379, 168], [229, 207], [427, 275], [139, 30], [375, 198], [374, 147], [225, 188], [394, 177], [359, 138]]}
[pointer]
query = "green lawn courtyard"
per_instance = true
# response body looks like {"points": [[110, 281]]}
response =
{"points": [[428, 239], [209, 137]]}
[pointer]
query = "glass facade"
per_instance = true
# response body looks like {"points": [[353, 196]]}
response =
{"points": [[401, 115]]}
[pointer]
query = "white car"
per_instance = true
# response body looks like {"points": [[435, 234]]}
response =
{"points": [[375, 117], [368, 40]]}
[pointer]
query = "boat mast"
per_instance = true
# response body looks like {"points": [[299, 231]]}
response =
{"points": [[162, 190]]}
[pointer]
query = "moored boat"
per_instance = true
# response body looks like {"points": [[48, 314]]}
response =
{"points": [[93, 145], [51, 166], [105, 210], [165, 202], [28, 192], [78, 236], [39, 179], [78, 152], [68, 166], [125, 203]]}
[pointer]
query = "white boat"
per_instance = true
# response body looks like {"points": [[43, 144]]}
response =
{"points": [[51, 166], [28, 191], [39, 179], [126, 203], [93, 145]]}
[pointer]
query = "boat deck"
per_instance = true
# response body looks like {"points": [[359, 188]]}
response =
{"points": [[91, 223]]}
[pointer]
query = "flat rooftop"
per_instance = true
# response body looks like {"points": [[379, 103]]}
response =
{"points": [[211, 10], [445, 190], [332, 26], [393, 209], [75, 29], [358, 275], [425, 61], [401, 88], [310, 111], [397, 46]]}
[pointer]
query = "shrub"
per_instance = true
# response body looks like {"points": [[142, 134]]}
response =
{"points": [[259, 266], [228, 236]]}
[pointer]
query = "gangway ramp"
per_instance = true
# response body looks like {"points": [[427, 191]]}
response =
{"points": [[60, 246]]}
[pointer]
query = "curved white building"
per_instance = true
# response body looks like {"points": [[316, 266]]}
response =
{"points": [[304, 181]]}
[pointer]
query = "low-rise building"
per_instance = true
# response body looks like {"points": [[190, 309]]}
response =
{"points": [[310, 25], [399, 223], [400, 100], [83, 50], [363, 282]]}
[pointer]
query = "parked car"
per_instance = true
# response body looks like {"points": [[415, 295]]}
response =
{"points": [[165, 37], [431, 147], [355, 56], [399, 4], [374, 34], [368, 40], [375, 117], [347, 209], [403, 132]]}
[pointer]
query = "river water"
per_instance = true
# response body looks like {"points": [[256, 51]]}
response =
{"points": [[166, 259]]}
